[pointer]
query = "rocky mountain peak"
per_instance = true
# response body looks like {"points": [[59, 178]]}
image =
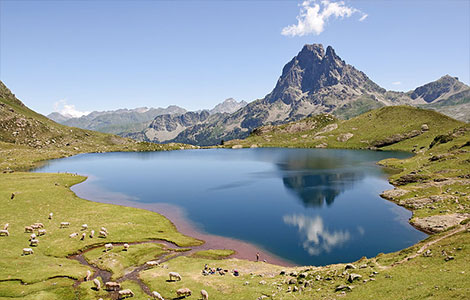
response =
{"points": [[439, 89], [312, 70], [315, 51], [229, 105]]}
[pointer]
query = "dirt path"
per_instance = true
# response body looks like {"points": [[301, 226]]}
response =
{"points": [[460, 228]]}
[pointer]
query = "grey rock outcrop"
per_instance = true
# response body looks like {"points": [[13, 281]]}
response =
{"points": [[439, 223]]}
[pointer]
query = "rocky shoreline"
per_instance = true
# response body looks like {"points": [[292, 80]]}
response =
{"points": [[434, 223]]}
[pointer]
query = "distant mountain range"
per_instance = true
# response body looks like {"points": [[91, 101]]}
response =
{"points": [[130, 122], [116, 121], [315, 81]]}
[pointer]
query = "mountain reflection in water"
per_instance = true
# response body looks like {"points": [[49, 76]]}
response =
{"points": [[309, 206], [316, 180]]}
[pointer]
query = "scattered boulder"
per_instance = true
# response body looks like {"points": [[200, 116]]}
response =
{"points": [[396, 138], [292, 281], [343, 288], [393, 194], [353, 277], [349, 266], [411, 178], [344, 137], [428, 253], [327, 128], [424, 127], [449, 258]]}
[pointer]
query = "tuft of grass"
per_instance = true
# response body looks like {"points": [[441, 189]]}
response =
{"points": [[213, 253]]}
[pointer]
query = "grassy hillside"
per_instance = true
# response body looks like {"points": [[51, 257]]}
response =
{"points": [[356, 108], [387, 128]]}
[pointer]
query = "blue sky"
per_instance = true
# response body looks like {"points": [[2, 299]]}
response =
{"points": [[102, 55]]}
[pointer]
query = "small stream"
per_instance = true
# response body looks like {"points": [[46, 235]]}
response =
{"points": [[134, 274]]}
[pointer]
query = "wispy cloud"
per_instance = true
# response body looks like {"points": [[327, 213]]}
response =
{"points": [[314, 15], [396, 82], [364, 16], [68, 110], [317, 237]]}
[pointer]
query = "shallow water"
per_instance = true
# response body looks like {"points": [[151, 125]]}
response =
{"points": [[308, 206]]}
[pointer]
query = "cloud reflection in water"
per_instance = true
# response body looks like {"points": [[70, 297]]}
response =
{"points": [[317, 237]]}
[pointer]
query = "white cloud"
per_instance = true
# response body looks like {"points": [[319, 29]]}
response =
{"points": [[314, 14], [317, 237], [364, 16], [68, 110], [396, 83]]}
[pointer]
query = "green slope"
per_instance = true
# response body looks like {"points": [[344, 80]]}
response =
{"points": [[370, 130]]}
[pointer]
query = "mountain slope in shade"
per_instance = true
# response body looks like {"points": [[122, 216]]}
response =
{"points": [[168, 126], [441, 89], [456, 106]]}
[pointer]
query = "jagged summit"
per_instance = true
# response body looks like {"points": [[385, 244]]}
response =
{"points": [[312, 70], [229, 105]]}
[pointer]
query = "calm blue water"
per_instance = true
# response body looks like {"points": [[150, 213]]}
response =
{"points": [[309, 206]]}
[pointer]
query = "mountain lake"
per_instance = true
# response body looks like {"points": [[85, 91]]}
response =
{"points": [[306, 206]]}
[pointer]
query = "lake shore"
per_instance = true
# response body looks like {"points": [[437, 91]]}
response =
{"points": [[243, 250]]}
